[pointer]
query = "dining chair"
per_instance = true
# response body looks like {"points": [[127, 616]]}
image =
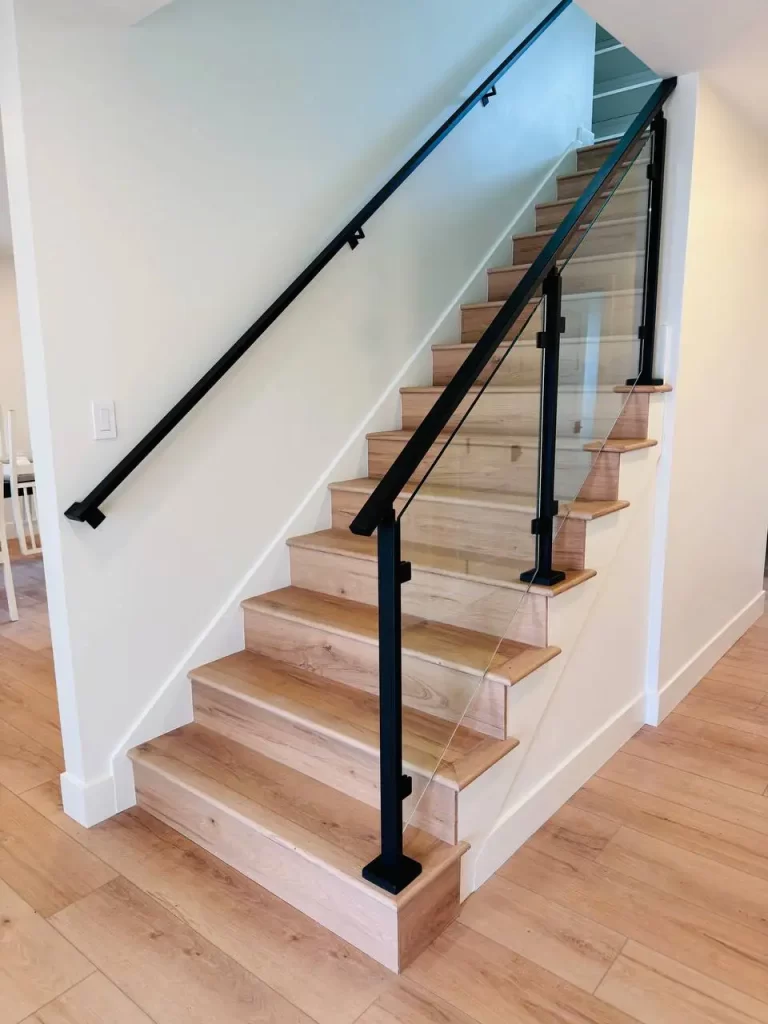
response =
{"points": [[20, 473]]}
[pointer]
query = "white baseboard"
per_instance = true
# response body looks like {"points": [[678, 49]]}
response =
{"points": [[88, 803], [535, 808], [681, 684]]}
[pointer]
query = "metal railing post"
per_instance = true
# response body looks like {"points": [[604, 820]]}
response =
{"points": [[543, 525], [391, 870], [647, 332]]}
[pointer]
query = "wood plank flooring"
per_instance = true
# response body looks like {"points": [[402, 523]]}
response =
{"points": [[643, 901]]}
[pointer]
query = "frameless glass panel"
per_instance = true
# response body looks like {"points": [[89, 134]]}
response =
{"points": [[466, 515]]}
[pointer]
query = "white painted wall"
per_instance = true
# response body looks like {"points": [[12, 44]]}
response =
{"points": [[12, 393], [714, 479], [167, 182]]}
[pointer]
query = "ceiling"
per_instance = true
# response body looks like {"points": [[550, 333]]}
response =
{"points": [[726, 38]]}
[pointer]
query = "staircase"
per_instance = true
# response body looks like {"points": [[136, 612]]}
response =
{"points": [[279, 773]]}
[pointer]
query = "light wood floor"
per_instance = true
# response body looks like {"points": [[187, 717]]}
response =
{"points": [[644, 900]]}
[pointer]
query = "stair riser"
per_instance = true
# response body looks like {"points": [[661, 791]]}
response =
{"points": [[617, 360], [439, 690], [622, 204], [615, 314], [511, 469], [602, 275], [343, 766], [594, 415], [389, 934], [571, 187], [491, 532], [601, 240], [454, 600]]}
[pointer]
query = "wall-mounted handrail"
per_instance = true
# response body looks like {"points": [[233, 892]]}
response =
{"points": [[379, 503], [88, 510]]}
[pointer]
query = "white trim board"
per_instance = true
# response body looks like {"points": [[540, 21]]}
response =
{"points": [[681, 684], [520, 822]]}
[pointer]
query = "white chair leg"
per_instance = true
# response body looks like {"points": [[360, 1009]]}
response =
{"points": [[10, 591], [5, 559]]}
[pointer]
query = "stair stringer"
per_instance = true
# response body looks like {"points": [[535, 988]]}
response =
{"points": [[502, 809]]}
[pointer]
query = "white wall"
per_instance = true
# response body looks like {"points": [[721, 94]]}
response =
{"points": [[166, 183], [714, 478], [12, 395]]}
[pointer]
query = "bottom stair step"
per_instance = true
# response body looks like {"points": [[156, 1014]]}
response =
{"points": [[330, 732], [300, 839]]}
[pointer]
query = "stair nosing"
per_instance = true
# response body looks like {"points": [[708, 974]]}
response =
{"points": [[458, 346], [572, 296]]}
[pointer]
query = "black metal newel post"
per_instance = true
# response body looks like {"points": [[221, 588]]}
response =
{"points": [[647, 332], [391, 870], [543, 526]]}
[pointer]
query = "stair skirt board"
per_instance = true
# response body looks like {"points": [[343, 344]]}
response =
{"points": [[278, 774]]}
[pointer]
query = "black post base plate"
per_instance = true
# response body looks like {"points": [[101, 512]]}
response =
{"points": [[542, 579], [393, 879], [640, 382]]}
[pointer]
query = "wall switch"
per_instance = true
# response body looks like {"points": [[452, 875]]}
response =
{"points": [[104, 421]]}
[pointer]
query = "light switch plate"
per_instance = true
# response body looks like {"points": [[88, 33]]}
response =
{"points": [[103, 420]]}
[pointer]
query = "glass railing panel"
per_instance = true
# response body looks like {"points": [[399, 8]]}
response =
{"points": [[602, 284], [464, 522], [469, 508]]}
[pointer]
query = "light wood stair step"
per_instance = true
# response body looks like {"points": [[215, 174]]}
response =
{"points": [[457, 674], [459, 588], [571, 186], [488, 523], [591, 158], [516, 409], [331, 732], [303, 841], [486, 462], [617, 271], [619, 312], [617, 357], [607, 235], [625, 201], [507, 462]]}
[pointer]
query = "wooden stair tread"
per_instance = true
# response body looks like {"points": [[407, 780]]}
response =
{"points": [[525, 389], [487, 439], [526, 503], [619, 447], [602, 258], [573, 297], [589, 174], [457, 755], [589, 226], [449, 646], [292, 809], [462, 346], [634, 189], [504, 572]]}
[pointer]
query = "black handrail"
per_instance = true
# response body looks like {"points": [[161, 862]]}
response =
{"points": [[88, 510], [380, 502]]}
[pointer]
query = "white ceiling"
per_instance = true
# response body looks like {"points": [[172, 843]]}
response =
{"points": [[726, 38]]}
